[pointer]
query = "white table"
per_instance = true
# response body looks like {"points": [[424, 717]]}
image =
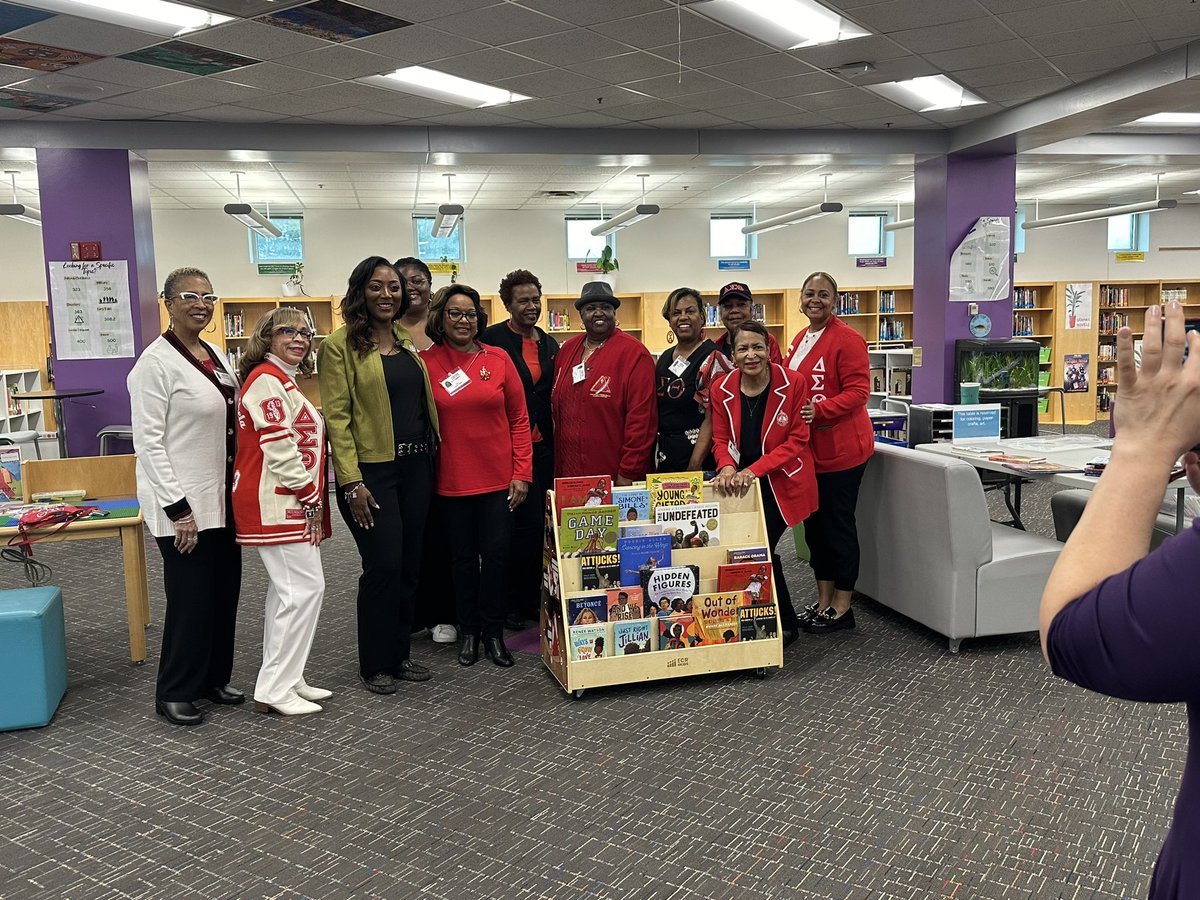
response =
{"points": [[1075, 457]]}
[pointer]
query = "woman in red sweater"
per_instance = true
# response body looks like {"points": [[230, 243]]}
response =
{"points": [[484, 466], [830, 358]]}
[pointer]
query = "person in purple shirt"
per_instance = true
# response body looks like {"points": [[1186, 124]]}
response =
{"points": [[1122, 622]]}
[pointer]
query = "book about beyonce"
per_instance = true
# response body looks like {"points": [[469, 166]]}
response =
{"points": [[589, 490], [588, 641], [754, 578], [642, 554], [690, 525], [674, 488], [634, 636], [588, 609], [588, 529]]}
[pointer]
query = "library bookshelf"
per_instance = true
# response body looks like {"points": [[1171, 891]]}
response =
{"points": [[1034, 317], [742, 525], [769, 307]]}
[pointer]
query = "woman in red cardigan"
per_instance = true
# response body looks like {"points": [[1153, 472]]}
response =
{"points": [[830, 359], [759, 432]]}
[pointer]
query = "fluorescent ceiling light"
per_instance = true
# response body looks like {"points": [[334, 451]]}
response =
{"points": [[1148, 207], [440, 86], [899, 224], [631, 216], [252, 219], [21, 213], [1169, 118], [927, 93], [155, 16], [447, 217], [784, 24], [793, 218]]}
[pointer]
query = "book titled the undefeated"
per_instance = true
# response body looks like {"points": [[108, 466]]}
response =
{"points": [[634, 636], [718, 615], [588, 641], [754, 578], [758, 623], [590, 490], [624, 603], [679, 632], [588, 529], [634, 503], [642, 554], [747, 554], [599, 571], [674, 488], [670, 590], [587, 609], [690, 524]]}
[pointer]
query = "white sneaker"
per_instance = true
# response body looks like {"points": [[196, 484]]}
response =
{"points": [[308, 692], [445, 634], [292, 705]]}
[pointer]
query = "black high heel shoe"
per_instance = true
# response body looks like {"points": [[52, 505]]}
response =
{"points": [[497, 652]]}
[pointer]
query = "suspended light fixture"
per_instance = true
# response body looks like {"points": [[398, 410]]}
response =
{"points": [[19, 211], [448, 214], [248, 215], [1107, 213], [631, 216], [795, 217], [899, 224]]}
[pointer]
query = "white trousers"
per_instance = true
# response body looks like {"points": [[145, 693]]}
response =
{"points": [[294, 594]]}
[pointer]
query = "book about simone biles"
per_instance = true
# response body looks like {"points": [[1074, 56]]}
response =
{"points": [[587, 609], [633, 502], [588, 641], [669, 591], [599, 571], [589, 490], [640, 555], [679, 632], [754, 578], [758, 623], [718, 615], [588, 529], [690, 525], [674, 488], [624, 603], [634, 636]]}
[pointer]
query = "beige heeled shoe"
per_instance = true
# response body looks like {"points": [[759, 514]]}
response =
{"points": [[310, 693], [294, 705]]}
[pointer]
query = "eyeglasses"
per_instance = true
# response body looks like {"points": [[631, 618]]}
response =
{"points": [[417, 282], [293, 332], [457, 314], [193, 297]]}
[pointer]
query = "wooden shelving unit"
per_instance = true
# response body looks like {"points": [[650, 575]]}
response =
{"points": [[1035, 305]]}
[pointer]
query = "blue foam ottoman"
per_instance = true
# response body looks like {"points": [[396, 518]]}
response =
{"points": [[33, 656]]}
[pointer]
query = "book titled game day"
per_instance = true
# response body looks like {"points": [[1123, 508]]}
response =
{"points": [[588, 529]]}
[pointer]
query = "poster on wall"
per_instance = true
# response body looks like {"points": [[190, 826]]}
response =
{"points": [[979, 267], [1079, 306], [1075, 373], [93, 318]]}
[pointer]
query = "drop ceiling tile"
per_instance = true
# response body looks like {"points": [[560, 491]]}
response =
{"points": [[489, 65], [1060, 17], [320, 99], [17, 98], [672, 85], [66, 84], [650, 109], [193, 59], [1024, 90], [39, 57], [725, 97], [1004, 73], [214, 90], [410, 106], [658, 29], [7, 114], [500, 24], [552, 83], [874, 47], [255, 39], [712, 51], [1013, 52], [108, 111], [838, 99], [470, 118], [273, 77], [333, 20], [896, 121], [899, 70], [245, 8], [155, 102], [536, 110], [594, 13], [900, 15], [418, 44], [87, 35], [859, 112], [339, 61], [582, 120], [228, 113], [601, 99], [12, 74], [762, 68], [626, 67], [762, 109], [576, 46], [691, 119], [1101, 60], [121, 71], [424, 10], [952, 35], [14, 17], [1091, 39]]}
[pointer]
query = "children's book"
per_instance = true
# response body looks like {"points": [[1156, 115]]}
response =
{"points": [[669, 591], [588, 529], [633, 529], [10, 473], [599, 571], [674, 488], [634, 636], [679, 632], [588, 641], [758, 623], [754, 578], [590, 490], [624, 603], [747, 554], [1043, 467], [587, 610], [718, 615], [642, 554], [690, 525], [633, 502]]}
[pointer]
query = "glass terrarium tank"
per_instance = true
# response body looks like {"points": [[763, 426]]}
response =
{"points": [[1008, 367]]}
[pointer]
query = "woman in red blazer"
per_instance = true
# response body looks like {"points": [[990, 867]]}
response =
{"points": [[759, 432], [830, 359]]}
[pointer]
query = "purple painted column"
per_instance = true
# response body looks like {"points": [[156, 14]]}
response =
{"points": [[99, 195], [952, 193]]}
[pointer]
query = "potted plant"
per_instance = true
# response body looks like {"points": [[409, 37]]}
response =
{"points": [[294, 286], [607, 263]]}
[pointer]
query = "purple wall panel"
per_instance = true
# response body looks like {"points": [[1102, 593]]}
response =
{"points": [[100, 195]]}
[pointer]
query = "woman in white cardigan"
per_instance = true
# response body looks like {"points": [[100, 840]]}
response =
{"points": [[184, 397]]}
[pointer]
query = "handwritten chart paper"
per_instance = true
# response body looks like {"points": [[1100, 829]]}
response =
{"points": [[92, 311]]}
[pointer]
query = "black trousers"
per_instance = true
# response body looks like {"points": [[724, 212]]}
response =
{"points": [[391, 558], [202, 590], [435, 603], [481, 528], [776, 528], [529, 519], [832, 531]]}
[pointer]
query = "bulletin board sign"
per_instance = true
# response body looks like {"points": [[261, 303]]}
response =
{"points": [[93, 317]]}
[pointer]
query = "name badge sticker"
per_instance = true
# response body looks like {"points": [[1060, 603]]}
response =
{"points": [[455, 381], [678, 367], [578, 373], [226, 379], [734, 453]]}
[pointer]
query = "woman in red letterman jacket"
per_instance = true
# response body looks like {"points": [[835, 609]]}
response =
{"points": [[484, 467], [830, 358], [278, 489], [759, 432]]}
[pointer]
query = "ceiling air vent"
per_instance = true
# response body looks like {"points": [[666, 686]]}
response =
{"points": [[559, 195]]}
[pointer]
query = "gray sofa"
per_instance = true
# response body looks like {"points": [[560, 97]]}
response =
{"points": [[931, 552]]}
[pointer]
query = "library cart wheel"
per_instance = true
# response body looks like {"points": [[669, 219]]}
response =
{"points": [[577, 694], [761, 673]]}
